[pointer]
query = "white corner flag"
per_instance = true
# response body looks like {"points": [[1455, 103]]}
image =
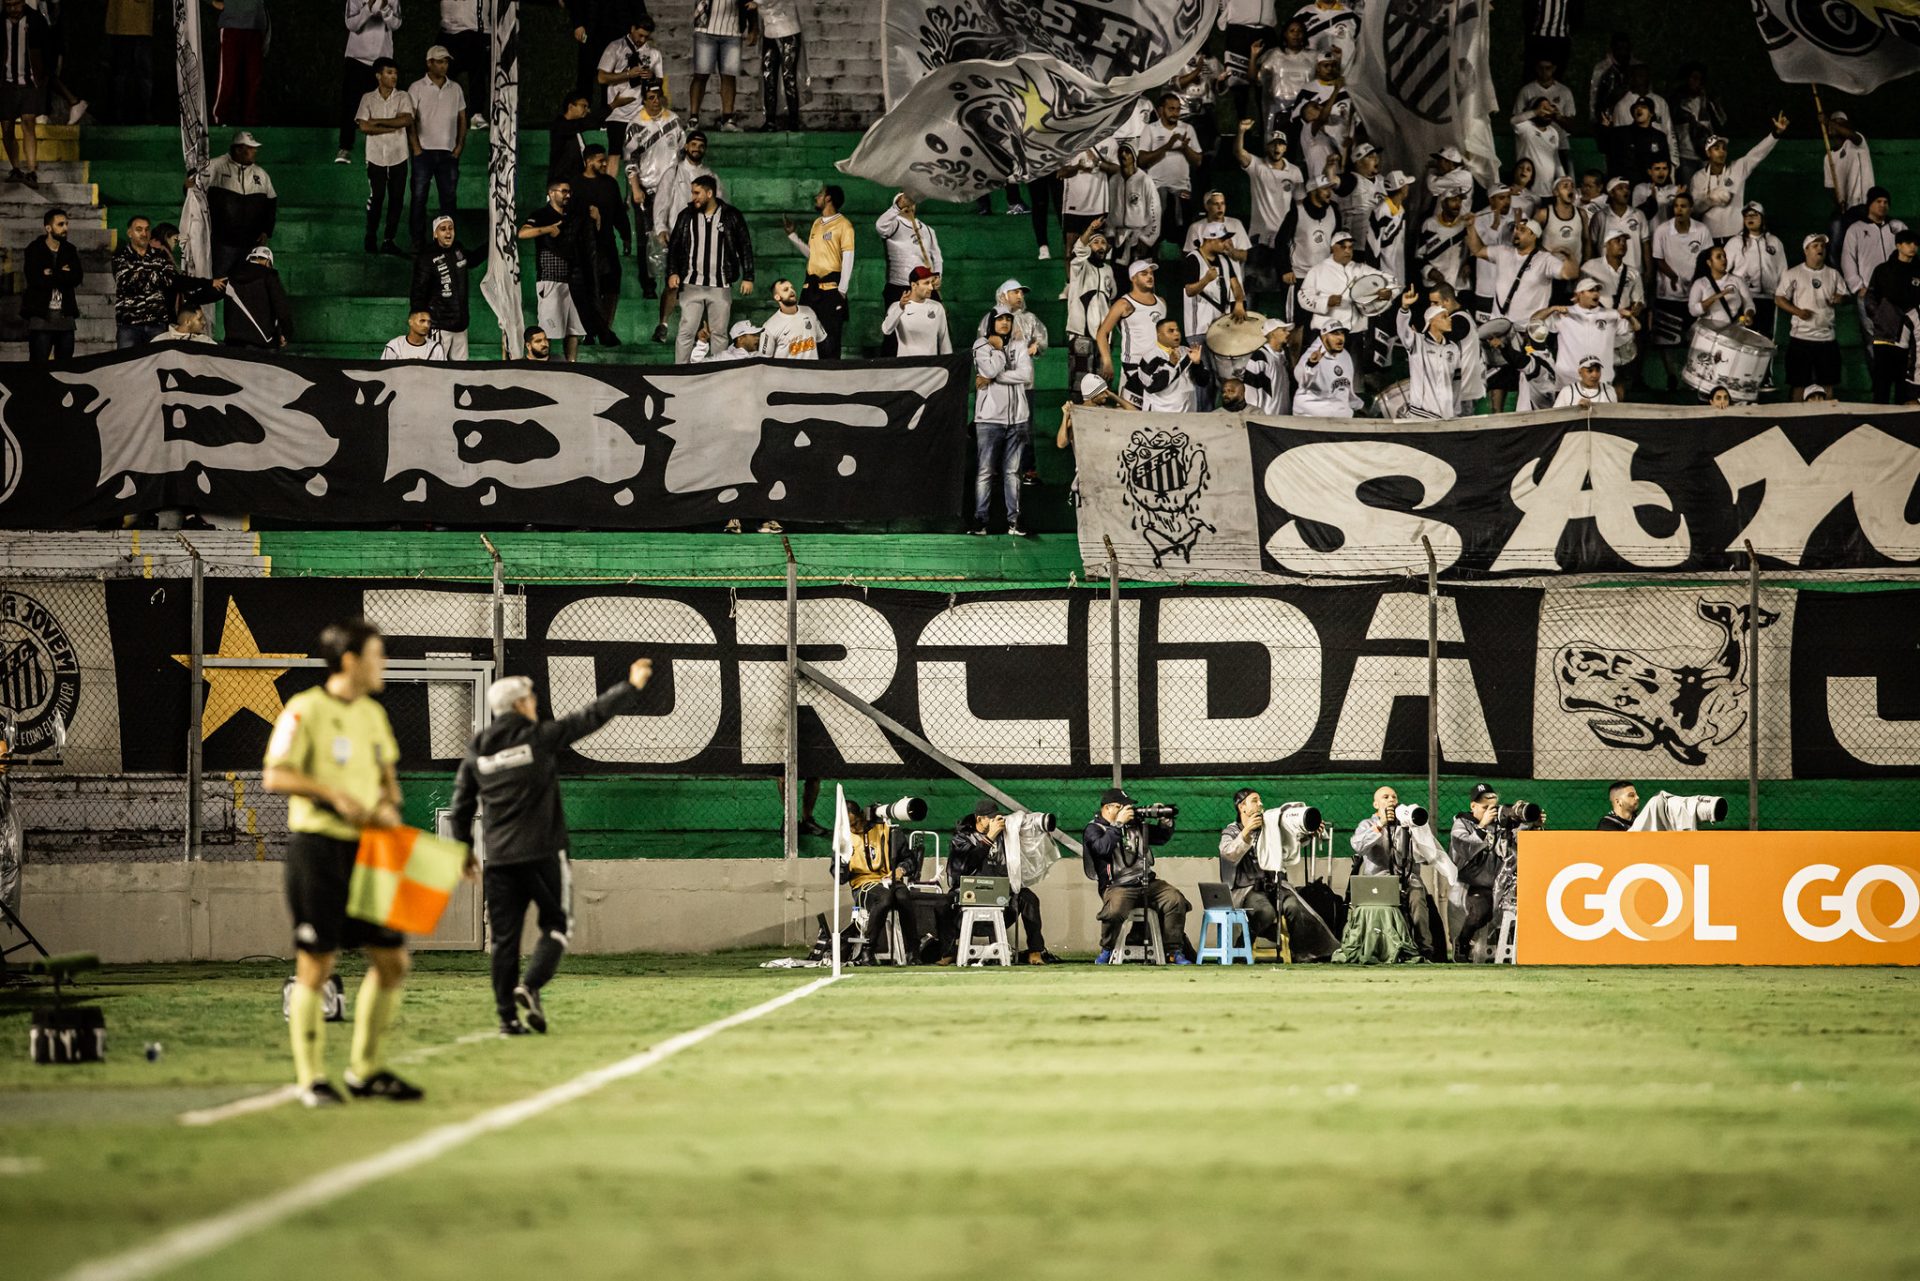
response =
{"points": [[842, 857]]}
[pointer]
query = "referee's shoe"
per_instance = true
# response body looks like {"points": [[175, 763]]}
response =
{"points": [[528, 1000], [384, 1085]]}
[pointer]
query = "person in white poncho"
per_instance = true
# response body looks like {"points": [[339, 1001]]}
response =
{"points": [[985, 845]]}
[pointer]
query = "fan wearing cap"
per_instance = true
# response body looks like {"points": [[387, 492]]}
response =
{"points": [[1623, 288], [1273, 183], [1760, 260], [1136, 314], [1002, 417], [1325, 382], [1090, 292], [1586, 330], [1358, 190], [1387, 226], [1522, 276], [1116, 854], [1441, 253], [1808, 294], [1327, 290], [1217, 287], [257, 312], [1448, 175], [1481, 844], [1267, 375], [1720, 189], [1640, 91], [1133, 211], [1587, 388], [1306, 238], [1619, 213], [242, 206], [1848, 168], [419, 342], [1433, 359], [511, 778], [1027, 325], [439, 287], [743, 343], [916, 321], [438, 135], [384, 117], [652, 142], [911, 245]]}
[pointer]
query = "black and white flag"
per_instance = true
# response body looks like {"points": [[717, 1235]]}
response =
{"points": [[1857, 45], [501, 287], [196, 225], [1423, 81], [983, 92]]}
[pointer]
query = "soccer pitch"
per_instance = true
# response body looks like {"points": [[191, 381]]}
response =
{"points": [[1068, 1122]]}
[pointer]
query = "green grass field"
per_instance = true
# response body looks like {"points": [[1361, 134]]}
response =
{"points": [[1060, 1123]]}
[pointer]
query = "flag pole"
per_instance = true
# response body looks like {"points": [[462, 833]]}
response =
{"points": [[1833, 169]]}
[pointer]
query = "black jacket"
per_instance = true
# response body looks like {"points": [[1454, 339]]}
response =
{"points": [[257, 287], [51, 271], [1892, 291], [511, 774], [972, 854], [1108, 857], [1611, 822], [440, 285], [736, 244]]}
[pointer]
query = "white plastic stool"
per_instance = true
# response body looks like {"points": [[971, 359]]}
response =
{"points": [[1503, 952], [972, 953], [1154, 950]]}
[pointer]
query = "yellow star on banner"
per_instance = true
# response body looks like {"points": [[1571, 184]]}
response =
{"points": [[232, 690], [1036, 107]]}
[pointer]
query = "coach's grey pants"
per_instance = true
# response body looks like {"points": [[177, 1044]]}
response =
{"points": [[702, 303]]}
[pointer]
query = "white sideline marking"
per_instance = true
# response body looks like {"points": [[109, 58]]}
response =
{"points": [[197, 1240], [288, 1093]]}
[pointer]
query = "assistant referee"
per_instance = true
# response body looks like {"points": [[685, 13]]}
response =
{"points": [[511, 774], [333, 756]]}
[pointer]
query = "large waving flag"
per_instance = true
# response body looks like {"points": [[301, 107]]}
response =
{"points": [[501, 287], [1421, 79], [1855, 45], [983, 92]]}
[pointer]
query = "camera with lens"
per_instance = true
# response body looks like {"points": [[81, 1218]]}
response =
{"points": [[908, 809], [1299, 820], [1156, 813], [1685, 813], [1047, 821], [1410, 815], [1518, 813]]}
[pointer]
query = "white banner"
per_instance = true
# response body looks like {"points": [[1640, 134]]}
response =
{"points": [[980, 93], [196, 227], [1856, 46], [1423, 81], [501, 288], [1180, 481]]}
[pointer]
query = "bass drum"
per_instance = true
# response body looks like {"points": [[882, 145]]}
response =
{"points": [[1736, 358]]}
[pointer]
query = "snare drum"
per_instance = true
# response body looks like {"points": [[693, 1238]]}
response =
{"points": [[1736, 358], [1394, 401]]}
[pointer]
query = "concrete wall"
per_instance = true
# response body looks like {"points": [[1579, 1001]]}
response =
{"points": [[144, 912]]}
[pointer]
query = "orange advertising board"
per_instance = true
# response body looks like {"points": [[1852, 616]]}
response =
{"points": [[1719, 898]]}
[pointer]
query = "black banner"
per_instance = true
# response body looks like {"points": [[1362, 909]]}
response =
{"points": [[1627, 488], [607, 447]]}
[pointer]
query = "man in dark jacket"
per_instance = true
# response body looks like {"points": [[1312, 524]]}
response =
{"points": [[51, 302], [1265, 896], [440, 287], [1481, 843], [605, 201], [148, 291], [979, 849], [1117, 855], [258, 313], [566, 140], [707, 251], [1623, 802], [1892, 291], [511, 774], [242, 204]]}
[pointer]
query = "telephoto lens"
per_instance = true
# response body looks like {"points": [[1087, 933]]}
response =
{"points": [[1300, 819], [1519, 812], [1410, 815], [908, 809], [1047, 821], [1155, 813]]}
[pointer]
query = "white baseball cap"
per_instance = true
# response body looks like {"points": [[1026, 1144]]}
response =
{"points": [[1091, 385], [505, 692], [1619, 233], [438, 51], [245, 139], [1140, 266], [1753, 206], [260, 253], [1396, 180], [1593, 362], [1807, 243], [1334, 327], [1364, 150], [1587, 282], [741, 328], [1266, 330], [1433, 313], [1341, 237], [1453, 154], [1008, 286]]}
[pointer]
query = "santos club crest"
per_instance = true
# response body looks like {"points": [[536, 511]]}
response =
{"points": [[39, 673]]}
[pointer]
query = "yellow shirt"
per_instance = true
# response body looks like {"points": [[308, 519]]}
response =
{"points": [[872, 859], [347, 746], [827, 245]]}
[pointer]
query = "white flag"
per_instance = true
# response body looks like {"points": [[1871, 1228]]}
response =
{"points": [[501, 288], [1422, 81], [196, 227], [980, 93], [1856, 46]]}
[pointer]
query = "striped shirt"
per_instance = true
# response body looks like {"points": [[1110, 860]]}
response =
{"points": [[19, 39], [1552, 18], [721, 19], [705, 247]]}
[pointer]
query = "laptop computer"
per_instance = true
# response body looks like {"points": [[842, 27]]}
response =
{"points": [[985, 891], [1215, 894], [1362, 890]]}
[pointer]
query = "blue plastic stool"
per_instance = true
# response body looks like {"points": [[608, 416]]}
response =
{"points": [[1232, 934]]}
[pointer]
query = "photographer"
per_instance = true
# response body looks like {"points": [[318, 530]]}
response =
{"points": [[879, 880], [1117, 855], [1265, 896], [1383, 846], [1623, 801], [979, 849], [1482, 846]]}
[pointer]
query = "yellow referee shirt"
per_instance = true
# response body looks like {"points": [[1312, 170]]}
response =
{"points": [[828, 244], [346, 746]]}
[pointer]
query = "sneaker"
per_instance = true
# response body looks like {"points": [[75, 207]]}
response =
{"points": [[29, 177], [771, 527], [769, 127], [693, 123], [1046, 254], [1014, 531], [733, 526], [980, 532], [384, 1085], [528, 1000], [513, 1027], [41, 120], [477, 122], [1029, 478], [1035, 958], [1016, 208], [729, 125], [321, 1094], [1048, 958], [1181, 958], [14, 175], [609, 339], [659, 333], [78, 112], [1105, 957], [342, 157]]}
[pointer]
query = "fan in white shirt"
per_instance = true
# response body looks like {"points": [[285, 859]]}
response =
{"points": [[1808, 294], [1848, 170], [743, 343], [1324, 379], [1720, 189], [910, 243], [1718, 298], [1523, 272], [1622, 287], [1434, 358], [1327, 289], [418, 343], [1329, 23], [916, 321], [1273, 183], [1760, 260], [1587, 331], [792, 332], [1589, 387]]}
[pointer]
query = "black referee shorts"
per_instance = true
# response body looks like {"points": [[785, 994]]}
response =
{"points": [[318, 870]]}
